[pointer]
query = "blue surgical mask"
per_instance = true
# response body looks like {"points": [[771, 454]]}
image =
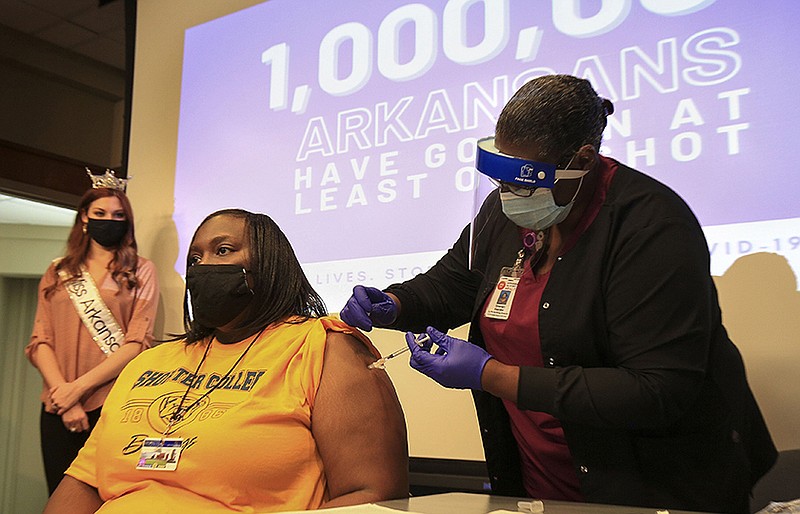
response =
{"points": [[538, 211]]}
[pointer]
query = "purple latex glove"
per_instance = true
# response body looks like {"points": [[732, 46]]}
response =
{"points": [[369, 307], [457, 363]]}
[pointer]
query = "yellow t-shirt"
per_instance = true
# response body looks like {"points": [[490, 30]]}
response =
{"points": [[247, 445]]}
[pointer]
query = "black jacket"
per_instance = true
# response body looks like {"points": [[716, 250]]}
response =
{"points": [[650, 391]]}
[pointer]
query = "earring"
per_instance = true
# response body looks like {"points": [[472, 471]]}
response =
{"points": [[84, 228]]}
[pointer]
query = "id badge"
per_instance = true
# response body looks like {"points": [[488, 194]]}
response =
{"points": [[503, 296], [160, 454]]}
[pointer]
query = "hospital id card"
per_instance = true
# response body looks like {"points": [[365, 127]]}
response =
{"points": [[499, 306], [160, 454]]}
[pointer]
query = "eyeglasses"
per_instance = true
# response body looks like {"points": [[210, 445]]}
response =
{"points": [[515, 190]]}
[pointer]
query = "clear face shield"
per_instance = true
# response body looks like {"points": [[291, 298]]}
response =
{"points": [[520, 177]]}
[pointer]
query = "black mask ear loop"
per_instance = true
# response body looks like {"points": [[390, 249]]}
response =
{"points": [[246, 284], [189, 304]]}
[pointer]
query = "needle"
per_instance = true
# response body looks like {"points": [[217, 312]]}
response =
{"points": [[420, 339]]}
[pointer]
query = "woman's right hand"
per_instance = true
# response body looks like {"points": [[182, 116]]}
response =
{"points": [[50, 407], [75, 419]]}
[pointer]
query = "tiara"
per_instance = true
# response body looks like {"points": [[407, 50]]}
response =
{"points": [[109, 179]]}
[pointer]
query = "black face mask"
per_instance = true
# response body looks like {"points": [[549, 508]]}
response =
{"points": [[107, 233], [218, 292]]}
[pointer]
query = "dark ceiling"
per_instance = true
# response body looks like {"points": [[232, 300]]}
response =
{"points": [[92, 28], [80, 33]]}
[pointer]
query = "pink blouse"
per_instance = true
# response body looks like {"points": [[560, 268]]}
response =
{"points": [[57, 325]]}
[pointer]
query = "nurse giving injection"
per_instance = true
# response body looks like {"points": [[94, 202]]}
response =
{"points": [[369, 305], [382, 311]]}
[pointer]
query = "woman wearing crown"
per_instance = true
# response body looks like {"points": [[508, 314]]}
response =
{"points": [[96, 311]]}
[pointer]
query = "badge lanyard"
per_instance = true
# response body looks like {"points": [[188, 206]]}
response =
{"points": [[499, 306], [163, 453]]}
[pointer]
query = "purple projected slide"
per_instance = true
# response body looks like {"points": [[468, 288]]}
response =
{"points": [[353, 124]]}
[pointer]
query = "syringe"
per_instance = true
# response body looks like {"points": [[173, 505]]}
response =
{"points": [[420, 339]]}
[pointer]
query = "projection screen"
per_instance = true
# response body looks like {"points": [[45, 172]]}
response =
{"points": [[353, 124]]}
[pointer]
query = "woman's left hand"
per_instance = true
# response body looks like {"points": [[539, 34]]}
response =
{"points": [[65, 396], [75, 419], [457, 364]]}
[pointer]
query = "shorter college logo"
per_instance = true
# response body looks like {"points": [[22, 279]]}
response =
{"points": [[159, 412]]}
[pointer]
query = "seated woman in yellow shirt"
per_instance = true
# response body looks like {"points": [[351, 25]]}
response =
{"points": [[266, 404]]}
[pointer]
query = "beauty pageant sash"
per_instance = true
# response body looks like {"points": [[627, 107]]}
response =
{"points": [[92, 310]]}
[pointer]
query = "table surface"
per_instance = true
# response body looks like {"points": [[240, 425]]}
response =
{"points": [[469, 503]]}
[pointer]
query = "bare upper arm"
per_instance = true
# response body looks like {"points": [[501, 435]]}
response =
{"points": [[359, 427], [73, 497]]}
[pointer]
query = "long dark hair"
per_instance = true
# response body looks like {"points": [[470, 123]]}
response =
{"points": [[281, 289], [125, 261]]}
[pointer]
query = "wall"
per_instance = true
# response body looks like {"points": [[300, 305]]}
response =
{"points": [[34, 248], [29, 250], [761, 310], [759, 297]]}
